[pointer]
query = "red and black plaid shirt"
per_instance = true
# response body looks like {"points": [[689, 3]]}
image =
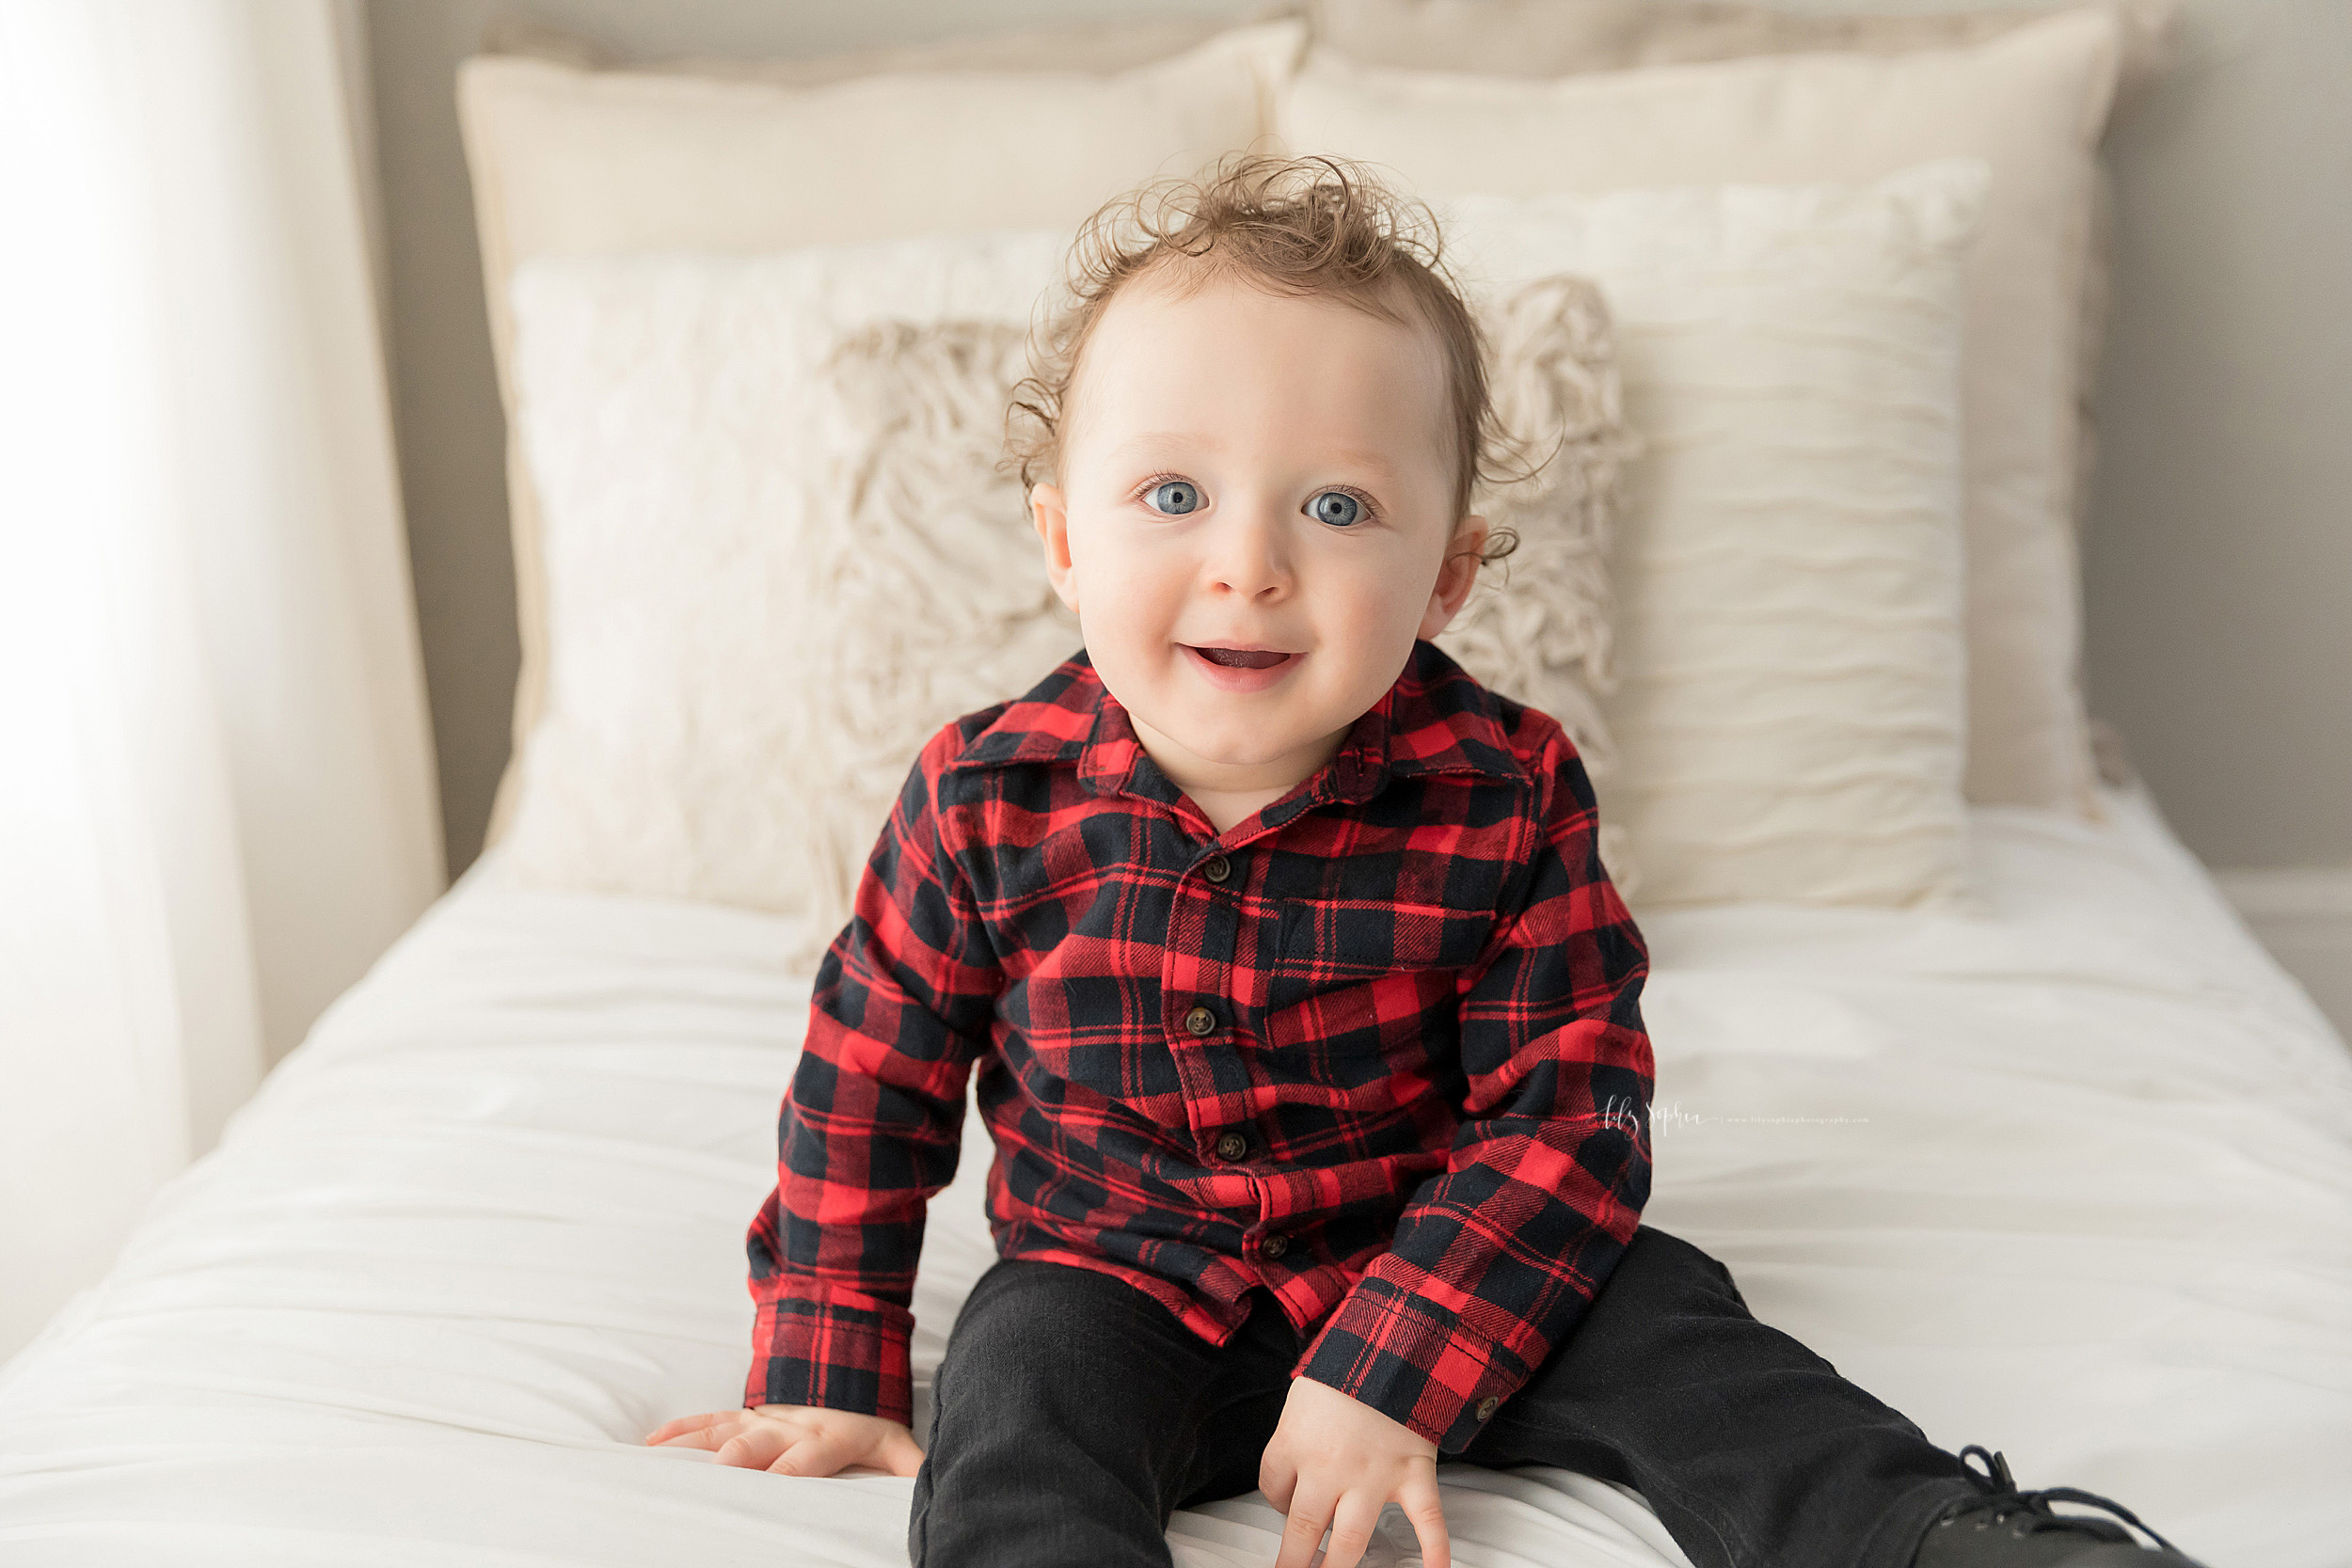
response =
{"points": [[1377, 1048]]}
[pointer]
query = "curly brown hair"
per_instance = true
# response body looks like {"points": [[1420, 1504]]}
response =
{"points": [[1315, 226]]}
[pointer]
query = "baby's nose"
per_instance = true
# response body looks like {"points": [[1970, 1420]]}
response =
{"points": [[1249, 556]]}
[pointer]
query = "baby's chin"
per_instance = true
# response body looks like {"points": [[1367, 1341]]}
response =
{"points": [[1257, 754], [1250, 733]]}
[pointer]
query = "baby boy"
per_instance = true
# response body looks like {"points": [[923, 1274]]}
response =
{"points": [[1303, 1014]]}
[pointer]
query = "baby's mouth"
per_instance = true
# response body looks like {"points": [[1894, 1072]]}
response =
{"points": [[1245, 658]]}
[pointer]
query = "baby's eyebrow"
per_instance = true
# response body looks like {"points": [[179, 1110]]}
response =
{"points": [[1164, 440], [1362, 457], [1160, 442]]}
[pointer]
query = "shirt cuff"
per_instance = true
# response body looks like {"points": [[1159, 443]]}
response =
{"points": [[1413, 1362], [844, 1351]]}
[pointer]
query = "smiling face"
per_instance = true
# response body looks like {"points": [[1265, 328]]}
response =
{"points": [[1243, 470]]}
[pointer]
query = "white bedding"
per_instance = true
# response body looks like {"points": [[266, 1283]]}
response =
{"points": [[2072, 1178]]}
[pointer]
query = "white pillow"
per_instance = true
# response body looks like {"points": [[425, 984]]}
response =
{"points": [[1790, 711], [1562, 38], [673, 412], [568, 162], [2030, 103]]}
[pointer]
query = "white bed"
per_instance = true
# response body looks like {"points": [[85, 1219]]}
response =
{"points": [[2072, 1178]]}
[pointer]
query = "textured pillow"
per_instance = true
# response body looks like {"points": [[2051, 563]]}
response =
{"points": [[1536, 625], [927, 595], [2029, 103], [569, 160], [782, 553], [1789, 712], [935, 602]]}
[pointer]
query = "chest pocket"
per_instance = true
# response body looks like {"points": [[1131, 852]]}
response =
{"points": [[1378, 978]]}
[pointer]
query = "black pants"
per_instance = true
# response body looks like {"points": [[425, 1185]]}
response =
{"points": [[1074, 1413]]}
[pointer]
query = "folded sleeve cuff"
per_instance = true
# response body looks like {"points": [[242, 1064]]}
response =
{"points": [[1413, 1362], [844, 1351]]}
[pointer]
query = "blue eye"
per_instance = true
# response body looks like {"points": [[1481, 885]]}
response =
{"points": [[1336, 507], [1175, 497]]}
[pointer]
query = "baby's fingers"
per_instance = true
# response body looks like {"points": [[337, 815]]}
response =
{"points": [[1309, 1516], [699, 1431], [1419, 1500], [897, 1453], [819, 1453], [757, 1445], [1353, 1526]]}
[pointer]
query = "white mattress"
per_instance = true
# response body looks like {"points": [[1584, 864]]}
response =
{"points": [[2071, 1178]]}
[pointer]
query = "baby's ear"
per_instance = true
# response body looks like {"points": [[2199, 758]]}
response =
{"points": [[1457, 574], [1050, 516]]}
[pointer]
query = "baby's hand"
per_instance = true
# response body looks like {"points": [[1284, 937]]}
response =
{"points": [[795, 1439], [1334, 1463]]}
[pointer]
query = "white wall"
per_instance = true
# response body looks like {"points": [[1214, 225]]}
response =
{"points": [[2220, 561]]}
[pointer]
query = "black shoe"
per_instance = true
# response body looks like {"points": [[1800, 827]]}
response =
{"points": [[2000, 1527]]}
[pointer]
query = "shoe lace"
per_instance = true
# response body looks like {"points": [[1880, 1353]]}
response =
{"points": [[1997, 1489]]}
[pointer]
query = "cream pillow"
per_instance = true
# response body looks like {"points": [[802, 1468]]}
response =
{"points": [[672, 410], [1562, 38], [2030, 103], [1097, 49], [781, 554], [1790, 708], [567, 161]]}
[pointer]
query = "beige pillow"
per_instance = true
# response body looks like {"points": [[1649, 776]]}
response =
{"points": [[569, 160], [1097, 49], [1562, 38], [781, 553], [1789, 707], [2029, 103]]}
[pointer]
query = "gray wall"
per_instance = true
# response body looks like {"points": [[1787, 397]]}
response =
{"points": [[2220, 566], [2220, 557]]}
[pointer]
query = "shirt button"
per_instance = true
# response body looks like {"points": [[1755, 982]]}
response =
{"points": [[1487, 1406], [1216, 868], [1232, 1146], [1200, 1021], [1273, 1247]]}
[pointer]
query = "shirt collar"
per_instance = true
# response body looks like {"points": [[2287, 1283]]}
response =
{"points": [[1433, 719]]}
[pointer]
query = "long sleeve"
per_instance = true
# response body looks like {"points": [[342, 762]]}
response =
{"points": [[872, 1124], [1495, 1258]]}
